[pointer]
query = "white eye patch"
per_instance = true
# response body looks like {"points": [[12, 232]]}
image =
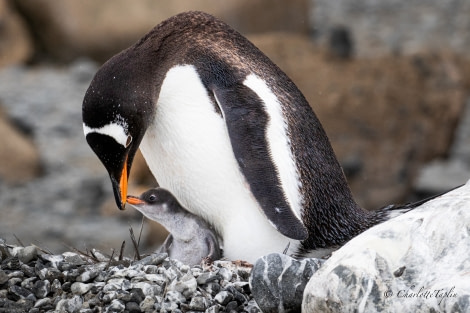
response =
{"points": [[114, 130]]}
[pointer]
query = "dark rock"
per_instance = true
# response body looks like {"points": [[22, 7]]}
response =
{"points": [[278, 282], [148, 304], [133, 307], [198, 303], [212, 288], [18, 292], [134, 295], [232, 306], [88, 275], [28, 283], [207, 277], [11, 263], [14, 281], [116, 306], [20, 306], [50, 274], [67, 286], [213, 309], [237, 295], [73, 259], [28, 270], [56, 286]]}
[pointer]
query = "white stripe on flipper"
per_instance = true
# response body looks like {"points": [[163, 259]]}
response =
{"points": [[278, 143]]}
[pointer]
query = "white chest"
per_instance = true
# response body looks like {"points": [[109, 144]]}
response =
{"points": [[188, 150]]}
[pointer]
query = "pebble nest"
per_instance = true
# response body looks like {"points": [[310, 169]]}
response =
{"points": [[34, 280]]}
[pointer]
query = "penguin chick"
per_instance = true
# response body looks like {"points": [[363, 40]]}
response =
{"points": [[191, 239]]}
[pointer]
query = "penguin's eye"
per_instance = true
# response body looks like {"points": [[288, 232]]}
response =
{"points": [[128, 140], [152, 198]]}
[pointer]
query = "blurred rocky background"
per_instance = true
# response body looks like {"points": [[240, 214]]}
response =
{"points": [[389, 80]]}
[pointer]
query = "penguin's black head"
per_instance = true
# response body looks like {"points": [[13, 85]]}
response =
{"points": [[116, 112]]}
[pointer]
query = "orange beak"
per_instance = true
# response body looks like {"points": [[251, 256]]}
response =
{"points": [[123, 185], [134, 200]]}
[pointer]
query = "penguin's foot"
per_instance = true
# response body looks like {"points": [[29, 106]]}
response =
{"points": [[207, 261]]}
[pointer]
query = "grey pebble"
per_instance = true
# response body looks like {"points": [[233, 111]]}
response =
{"points": [[73, 259], [213, 309], [3, 277], [71, 305], [207, 277], [88, 275], [21, 293], [14, 281], [56, 286], [27, 254], [223, 297], [175, 297], [41, 288], [133, 307], [186, 286], [147, 304], [199, 303], [225, 274], [79, 288], [116, 306], [46, 302]]}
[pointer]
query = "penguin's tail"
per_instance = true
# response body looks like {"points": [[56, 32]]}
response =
{"points": [[393, 210]]}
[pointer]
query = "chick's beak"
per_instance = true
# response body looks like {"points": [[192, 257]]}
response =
{"points": [[134, 200]]}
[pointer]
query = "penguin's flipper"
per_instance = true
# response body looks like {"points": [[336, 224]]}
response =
{"points": [[213, 245], [247, 120]]}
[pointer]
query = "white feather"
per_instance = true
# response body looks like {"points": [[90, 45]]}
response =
{"points": [[116, 130], [279, 143]]}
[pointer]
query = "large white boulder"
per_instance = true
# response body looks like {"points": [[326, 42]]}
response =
{"points": [[417, 262]]}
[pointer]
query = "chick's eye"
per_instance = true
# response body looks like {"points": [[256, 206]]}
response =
{"points": [[152, 198]]}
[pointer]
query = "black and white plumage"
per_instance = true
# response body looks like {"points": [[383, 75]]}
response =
{"points": [[228, 133], [191, 239]]}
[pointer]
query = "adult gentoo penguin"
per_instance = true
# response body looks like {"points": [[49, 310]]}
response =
{"points": [[228, 133]]}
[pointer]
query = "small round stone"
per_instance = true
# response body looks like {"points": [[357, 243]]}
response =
{"points": [[80, 288], [42, 288], [223, 297], [27, 254]]}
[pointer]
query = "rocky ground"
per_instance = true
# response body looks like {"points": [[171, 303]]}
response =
{"points": [[33, 280]]}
